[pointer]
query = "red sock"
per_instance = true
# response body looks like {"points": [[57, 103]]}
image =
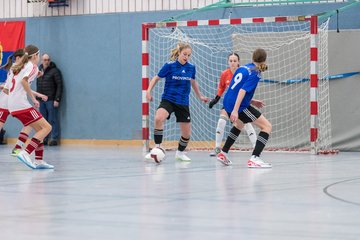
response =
{"points": [[39, 152], [34, 143], [21, 140]]}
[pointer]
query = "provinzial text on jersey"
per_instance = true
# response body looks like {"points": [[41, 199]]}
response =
{"points": [[181, 78]]}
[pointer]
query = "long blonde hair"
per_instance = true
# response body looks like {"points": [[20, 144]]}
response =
{"points": [[259, 56], [175, 52], [30, 51]]}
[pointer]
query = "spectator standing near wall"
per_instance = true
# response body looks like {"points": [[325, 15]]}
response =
{"points": [[50, 83]]}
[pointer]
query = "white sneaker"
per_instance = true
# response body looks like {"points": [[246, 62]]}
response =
{"points": [[222, 157], [148, 156], [216, 151], [256, 162], [26, 159], [181, 156], [41, 164], [15, 152]]}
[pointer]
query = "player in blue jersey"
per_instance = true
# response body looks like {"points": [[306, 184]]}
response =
{"points": [[225, 79], [237, 104], [179, 77]]}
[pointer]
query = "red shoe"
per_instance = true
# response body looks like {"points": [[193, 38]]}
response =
{"points": [[222, 157]]}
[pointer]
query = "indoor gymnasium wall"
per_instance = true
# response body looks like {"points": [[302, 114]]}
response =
{"points": [[100, 58], [21, 8]]}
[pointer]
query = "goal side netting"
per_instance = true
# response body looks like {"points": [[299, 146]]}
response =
{"points": [[286, 87]]}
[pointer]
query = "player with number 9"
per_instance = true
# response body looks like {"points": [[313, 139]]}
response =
{"points": [[225, 79], [237, 102]]}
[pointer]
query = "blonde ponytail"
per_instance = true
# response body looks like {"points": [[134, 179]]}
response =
{"points": [[262, 67], [175, 52], [23, 60]]}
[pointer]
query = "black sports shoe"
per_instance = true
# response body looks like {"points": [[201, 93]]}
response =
{"points": [[53, 143]]}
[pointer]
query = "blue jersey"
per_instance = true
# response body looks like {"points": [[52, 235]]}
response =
{"points": [[246, 77], [177, 81]]}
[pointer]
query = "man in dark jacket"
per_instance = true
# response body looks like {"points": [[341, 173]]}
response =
{"points": [[50, 83]]}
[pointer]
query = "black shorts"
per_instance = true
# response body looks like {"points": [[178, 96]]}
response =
{"points": [[182, 112], [249, 114]]}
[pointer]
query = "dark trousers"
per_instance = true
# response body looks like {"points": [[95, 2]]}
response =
{"points": [[50, 113]]}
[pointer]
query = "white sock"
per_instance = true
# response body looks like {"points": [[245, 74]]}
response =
{"points": [[220, 131], [251, 133]]}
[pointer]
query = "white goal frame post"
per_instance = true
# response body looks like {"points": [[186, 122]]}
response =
{"points": [[313, 62]]}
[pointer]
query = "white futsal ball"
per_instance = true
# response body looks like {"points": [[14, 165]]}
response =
{"points": [[158, 154]]}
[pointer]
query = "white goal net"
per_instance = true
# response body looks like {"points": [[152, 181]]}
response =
{"points": [[285, 87]]}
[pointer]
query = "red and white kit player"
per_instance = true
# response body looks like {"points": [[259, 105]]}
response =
{"points": [[19, 89], [4, 112]]}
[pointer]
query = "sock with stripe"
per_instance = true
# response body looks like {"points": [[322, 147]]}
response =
{"points": [[158, 136], [260, 143], [21, 140], [233, 134], [183, 142], [34, 143], [39, 152]]}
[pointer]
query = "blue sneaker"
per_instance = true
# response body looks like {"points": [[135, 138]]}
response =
{"points": [[41, 164], [26, 159]]}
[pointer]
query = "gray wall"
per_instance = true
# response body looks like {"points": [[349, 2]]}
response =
{"points": [[100, 57], [344, 93]]}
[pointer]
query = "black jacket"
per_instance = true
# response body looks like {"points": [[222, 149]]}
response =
{"points": [[51, 83]]}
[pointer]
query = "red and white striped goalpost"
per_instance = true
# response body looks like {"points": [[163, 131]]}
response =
{"points": [[314, 83], [193, 23]]}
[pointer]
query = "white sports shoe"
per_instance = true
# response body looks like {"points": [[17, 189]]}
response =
{"points": [[256, 162], [148, 156], [181, 156], [41, 164], [26, 159]]}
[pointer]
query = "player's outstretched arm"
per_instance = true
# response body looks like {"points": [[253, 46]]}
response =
{"points": [[195, 86], [235, 112], [257, 103], [214, 101], [28, 90], [39, 95], [152, 84]]}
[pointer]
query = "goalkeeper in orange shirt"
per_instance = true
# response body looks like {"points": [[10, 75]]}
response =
{"points": [[225, 79]]}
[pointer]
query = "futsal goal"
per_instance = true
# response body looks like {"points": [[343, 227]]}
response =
{"points": [[295, 89]]}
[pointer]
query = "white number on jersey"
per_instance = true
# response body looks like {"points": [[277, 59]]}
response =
{"points": [[237, 80]]}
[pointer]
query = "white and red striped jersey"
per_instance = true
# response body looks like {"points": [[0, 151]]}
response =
{"points": [[17, 95], [3, 96]]}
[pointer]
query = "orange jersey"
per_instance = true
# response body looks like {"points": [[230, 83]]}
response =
{"points": [[225, 80]]}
